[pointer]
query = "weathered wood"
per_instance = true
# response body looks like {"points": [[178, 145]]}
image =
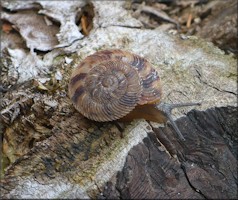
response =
{"points": [[221, 26], [54, 152], [160, 167], [203, 167]]}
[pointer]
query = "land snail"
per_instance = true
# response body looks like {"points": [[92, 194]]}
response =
{"points": [[118, 85]]}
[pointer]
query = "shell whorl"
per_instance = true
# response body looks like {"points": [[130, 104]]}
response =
{"points": [[109, 84]]}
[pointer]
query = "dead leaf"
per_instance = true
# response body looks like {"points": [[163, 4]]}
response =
{"points": [[7, 27]]}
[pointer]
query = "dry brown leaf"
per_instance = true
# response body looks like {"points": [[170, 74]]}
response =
{"points": [[7, 27], [189, 20], [84, 25]]}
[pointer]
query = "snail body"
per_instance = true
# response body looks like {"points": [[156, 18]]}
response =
{"points": [[114, 84]]}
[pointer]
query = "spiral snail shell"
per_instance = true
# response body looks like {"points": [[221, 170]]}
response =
{"points": [[109, 84], [113, 84]]}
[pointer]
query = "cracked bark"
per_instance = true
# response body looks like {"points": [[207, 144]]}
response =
{"points": [[183, 170], [204, 166], [209, 85]]}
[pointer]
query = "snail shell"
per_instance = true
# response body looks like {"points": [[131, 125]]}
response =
{"points": [[109, 84]]}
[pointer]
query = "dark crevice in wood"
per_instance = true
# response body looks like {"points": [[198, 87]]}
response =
{"points": [[191, 185], [202, 167]]}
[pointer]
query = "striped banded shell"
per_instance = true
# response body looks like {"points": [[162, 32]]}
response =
{"points": [[109, 84]]}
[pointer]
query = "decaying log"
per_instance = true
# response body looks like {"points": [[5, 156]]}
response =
{"points": [[203, 167], [83, 164], [54, 152], [221, 26]]}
